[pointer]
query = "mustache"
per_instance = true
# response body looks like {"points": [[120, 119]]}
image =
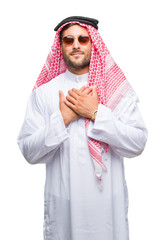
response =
{"points": [[76, 51]]}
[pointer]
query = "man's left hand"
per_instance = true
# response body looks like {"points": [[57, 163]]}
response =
{"points": [[83, 102]]}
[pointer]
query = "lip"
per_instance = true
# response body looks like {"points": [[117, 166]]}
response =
{"points": [[76, 54]]}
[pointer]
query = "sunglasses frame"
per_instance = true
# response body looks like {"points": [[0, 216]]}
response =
{"points": [[80, 40]]}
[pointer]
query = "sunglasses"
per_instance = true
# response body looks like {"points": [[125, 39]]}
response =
{"points": [[68, 40]]}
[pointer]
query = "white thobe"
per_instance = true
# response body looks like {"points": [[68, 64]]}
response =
{"points": [[75, 207]]}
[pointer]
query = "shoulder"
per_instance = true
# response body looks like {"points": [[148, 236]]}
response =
{"points": [[48, 93], [50, 87], [51, 84], [127, 103]]}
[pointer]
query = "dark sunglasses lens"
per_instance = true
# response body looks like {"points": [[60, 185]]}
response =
{"points": [[83, 40], [68, 40]]}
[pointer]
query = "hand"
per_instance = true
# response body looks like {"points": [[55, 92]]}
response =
{"points": [[67, 113], [83, 101]]}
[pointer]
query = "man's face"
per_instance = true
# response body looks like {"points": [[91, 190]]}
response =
{"points": [[77, 55]]}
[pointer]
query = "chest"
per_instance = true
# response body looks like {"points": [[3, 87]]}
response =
{"points": [[51, 103]]}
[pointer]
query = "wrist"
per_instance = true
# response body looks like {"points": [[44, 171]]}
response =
{"points": [[66, 122], [94, 114]]}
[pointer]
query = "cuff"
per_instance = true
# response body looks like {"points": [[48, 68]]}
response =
{"points": [[104, 114]]}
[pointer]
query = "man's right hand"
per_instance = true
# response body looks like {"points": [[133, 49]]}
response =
{"points": [[67, 113]]}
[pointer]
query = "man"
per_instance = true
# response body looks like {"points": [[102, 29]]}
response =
{"points": [[81, 123]]}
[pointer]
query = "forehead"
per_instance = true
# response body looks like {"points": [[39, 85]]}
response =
{"points": [[75, 30]]}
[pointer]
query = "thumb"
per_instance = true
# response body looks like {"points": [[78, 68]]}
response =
{"points": [[95, 90], [61, 95]]}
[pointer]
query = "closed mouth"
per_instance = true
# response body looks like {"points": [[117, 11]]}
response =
{"points": [[76, 53]]}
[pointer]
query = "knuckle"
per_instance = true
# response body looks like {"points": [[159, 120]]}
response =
{"points": [[76, 108], [69, 98], [82, 98], [77, 105]]}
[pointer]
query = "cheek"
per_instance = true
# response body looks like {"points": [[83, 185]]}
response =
{"points": [[65, 51], [89, 49]]}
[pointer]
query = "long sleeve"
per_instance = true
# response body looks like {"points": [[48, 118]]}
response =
{"points": [[125, 134], [39, 139]]}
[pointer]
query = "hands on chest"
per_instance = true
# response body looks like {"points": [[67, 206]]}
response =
{"points": [[81, 102]]}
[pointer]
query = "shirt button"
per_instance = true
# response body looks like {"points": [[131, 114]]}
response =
{"points": [[80, 79]]}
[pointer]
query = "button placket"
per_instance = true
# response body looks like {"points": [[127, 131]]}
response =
{"points": [[81, 156]]}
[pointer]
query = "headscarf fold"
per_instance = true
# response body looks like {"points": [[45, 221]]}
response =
{"points": [[111, 83]]}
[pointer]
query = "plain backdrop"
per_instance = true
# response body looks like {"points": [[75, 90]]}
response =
{"points": [[134, 32]]}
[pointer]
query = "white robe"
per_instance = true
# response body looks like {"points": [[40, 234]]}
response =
{"points": [[75, 208]]}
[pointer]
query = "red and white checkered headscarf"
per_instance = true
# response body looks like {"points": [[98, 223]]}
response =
{"points": [[103, 72]]}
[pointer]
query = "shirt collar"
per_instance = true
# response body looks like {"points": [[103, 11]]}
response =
{"points": [[75, 77]]}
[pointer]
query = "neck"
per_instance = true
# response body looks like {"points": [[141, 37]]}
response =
{"points": [[79, 71]]}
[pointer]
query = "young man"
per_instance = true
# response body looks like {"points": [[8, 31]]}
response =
{"points": [[81, 123]]}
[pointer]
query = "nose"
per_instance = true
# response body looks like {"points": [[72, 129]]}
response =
{"points": [[76, 44]]}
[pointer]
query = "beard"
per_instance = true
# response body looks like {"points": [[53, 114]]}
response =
{"points": [[77, 64]]}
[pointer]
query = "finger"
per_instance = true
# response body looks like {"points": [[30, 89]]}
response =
{"points": [[70, 105], [88, 90], [83, 88], [61, 95], [80, 91], [76, 91], [94, 90], [73, 94], [71, 99]]}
